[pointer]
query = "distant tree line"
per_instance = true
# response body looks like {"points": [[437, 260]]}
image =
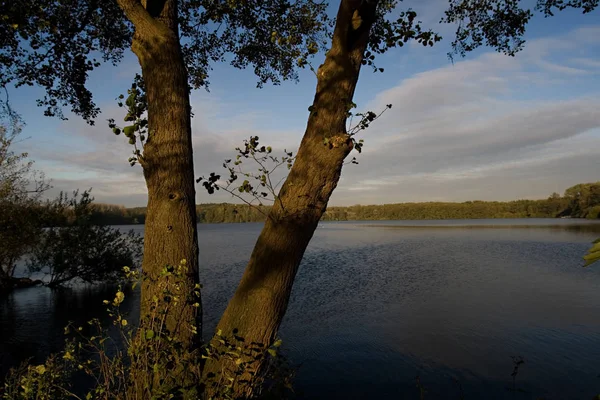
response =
{"points": [[111, 214], [579, 201]]}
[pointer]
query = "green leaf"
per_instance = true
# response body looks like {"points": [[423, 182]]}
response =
{"points": [[277, 343], [593, 254], [272, 352], [129, 130], [149, 334], [130, 100]]}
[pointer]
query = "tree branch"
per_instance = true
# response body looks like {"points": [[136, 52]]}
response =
{"points": [[139, 16]]}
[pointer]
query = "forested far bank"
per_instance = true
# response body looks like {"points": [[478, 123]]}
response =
{"points": [[579, 201]]}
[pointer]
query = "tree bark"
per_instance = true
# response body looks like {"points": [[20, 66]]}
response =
{"points": [[170, 228], [261, 299]]}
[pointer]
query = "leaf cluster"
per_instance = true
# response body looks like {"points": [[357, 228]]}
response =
{"points": [[273, 37], [364, 121], [253, 364], [260, 184], [499, 23], [496, 23], [387, 33], [136, 105], [547, 6], [56, 44], [48, 381]]}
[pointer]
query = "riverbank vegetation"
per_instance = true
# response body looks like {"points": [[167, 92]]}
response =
{"points": [[57, 239], [74, 248], [162, 366]]}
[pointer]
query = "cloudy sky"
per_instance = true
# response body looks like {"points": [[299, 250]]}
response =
{"points": [[488, 127]]}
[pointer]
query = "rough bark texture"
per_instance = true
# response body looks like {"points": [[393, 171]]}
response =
{"points": [[261, 299], [170, 229]]}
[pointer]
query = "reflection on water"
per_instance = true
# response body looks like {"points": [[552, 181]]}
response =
{"points": [[373, 307], [32, 320]]}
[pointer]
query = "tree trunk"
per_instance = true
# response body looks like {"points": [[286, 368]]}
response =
{"points": [[170, 228], [260, 301]]}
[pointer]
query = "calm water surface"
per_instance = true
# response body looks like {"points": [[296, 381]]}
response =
{"points": [[377, 303]]}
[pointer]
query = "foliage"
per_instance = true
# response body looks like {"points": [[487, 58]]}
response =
{"points": [[263, 186], [76, 248], [387, 33], [56, 45], [593, 254], [17, 178], [136, 104], [20, 213], [151, 352], [272, 37], [47, 381], [499, 23], [584, 199], [547, 6]]}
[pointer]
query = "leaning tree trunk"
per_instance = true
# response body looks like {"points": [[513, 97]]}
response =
{"points": [[170, 229], [260, 301]]}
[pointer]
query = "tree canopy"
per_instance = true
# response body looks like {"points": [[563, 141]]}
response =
{"points": [[500, 24], [56, 44]]}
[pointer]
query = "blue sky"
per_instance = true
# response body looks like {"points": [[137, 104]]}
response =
{"points": [[488, 127]]}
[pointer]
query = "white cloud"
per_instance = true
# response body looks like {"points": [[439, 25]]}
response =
{"points": [[80, 156], [586, 62], [479, 129]]}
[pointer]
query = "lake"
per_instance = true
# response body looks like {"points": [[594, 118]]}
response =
{"points": [[377, 303]]}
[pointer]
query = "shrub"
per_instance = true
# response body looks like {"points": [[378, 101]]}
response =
{"points": [[147, 361], [76, 248]]}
